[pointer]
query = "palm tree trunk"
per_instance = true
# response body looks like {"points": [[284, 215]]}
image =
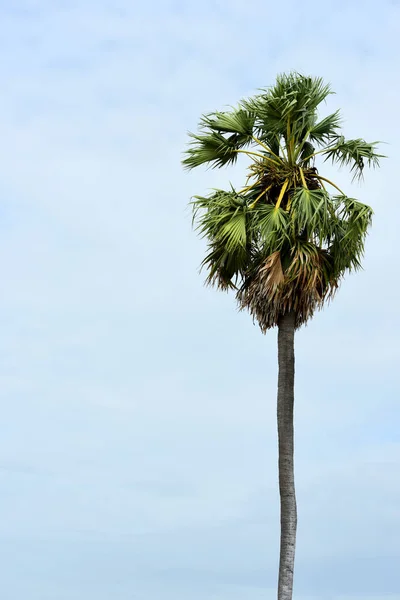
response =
{"points": [[287, 492]]}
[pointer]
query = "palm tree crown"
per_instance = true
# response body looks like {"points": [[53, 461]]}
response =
{"points": [[283, 241]]}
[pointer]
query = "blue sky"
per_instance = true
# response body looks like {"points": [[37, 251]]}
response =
{"points": [[137, 439]]}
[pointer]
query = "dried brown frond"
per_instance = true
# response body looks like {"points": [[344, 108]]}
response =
{"points": [[274, 272], [269, 292]]}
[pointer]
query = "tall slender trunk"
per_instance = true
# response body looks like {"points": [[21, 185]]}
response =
{"points": [[286, 451]]}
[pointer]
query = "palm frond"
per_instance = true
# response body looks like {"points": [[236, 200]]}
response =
{"points": [[311, 210], [323, 131], [294, 98], [222, 218], [233, 233], [213, 149], [272, 225], [212, 145], [349, 232], [294, 94], [223, 268], [357, 213], [211, 212], [354, 153], [275, 276], [238, 121], [305, 268]]}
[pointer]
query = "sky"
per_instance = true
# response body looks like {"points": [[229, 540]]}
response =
{"points": [[137, 437]]}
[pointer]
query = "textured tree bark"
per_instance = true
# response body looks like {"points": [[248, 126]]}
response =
{"points": [[287, 492]]}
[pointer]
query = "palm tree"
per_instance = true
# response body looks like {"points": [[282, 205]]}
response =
{"points": [[285, 240]]}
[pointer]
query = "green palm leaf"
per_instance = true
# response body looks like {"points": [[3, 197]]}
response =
{"points": [[312, 210], [213, 149], [323, 131], [237, 121], [272, 225], [354, 153]]}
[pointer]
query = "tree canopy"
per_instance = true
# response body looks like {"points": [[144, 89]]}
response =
{"points": [[286, 238]]}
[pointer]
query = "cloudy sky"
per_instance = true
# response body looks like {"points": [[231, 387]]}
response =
{"points": [[137, 437]]}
